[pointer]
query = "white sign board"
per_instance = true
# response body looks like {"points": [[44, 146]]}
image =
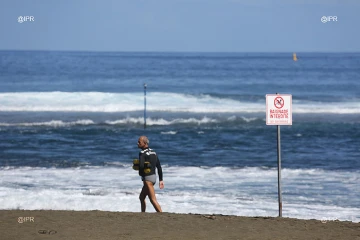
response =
{"points": [[278, 109]]}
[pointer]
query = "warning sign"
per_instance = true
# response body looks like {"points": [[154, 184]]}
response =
{"points": [[278, 109]]}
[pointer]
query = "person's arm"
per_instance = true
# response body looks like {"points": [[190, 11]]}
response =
{"points": [[160, 173]]}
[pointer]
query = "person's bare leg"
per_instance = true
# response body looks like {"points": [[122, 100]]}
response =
{"points": [[142, 196], [152, 197]]}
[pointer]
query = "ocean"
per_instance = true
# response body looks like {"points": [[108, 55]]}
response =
{"points": [[69, 124]]}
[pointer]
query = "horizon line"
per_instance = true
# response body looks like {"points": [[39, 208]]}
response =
{"points": [[144, 51]]}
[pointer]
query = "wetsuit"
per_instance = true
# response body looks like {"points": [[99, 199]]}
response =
{"points": [[148, 155]]}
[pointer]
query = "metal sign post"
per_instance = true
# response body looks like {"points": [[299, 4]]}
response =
{"points": [[279, 170], [144, 105], [279, 112]]}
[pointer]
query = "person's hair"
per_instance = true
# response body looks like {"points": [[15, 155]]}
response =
{"points": [[146, 140]]}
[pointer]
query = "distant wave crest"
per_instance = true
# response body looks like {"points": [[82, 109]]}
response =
{"points": [[156, 101], [129, 121]]}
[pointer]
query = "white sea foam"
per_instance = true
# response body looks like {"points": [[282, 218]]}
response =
{"points": [[307, 194], [161, 121], [169, 133], [124, 121], [156, 101], [53, 123], [234, 118]]}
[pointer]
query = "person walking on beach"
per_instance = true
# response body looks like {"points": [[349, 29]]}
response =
{"points": [[148, 174]]}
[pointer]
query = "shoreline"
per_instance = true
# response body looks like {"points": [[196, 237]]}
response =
{"points": [[79, 225]]}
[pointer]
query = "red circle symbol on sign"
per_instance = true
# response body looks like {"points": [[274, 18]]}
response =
{"points": [[279, 102]]}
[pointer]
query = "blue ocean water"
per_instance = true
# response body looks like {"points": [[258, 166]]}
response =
{"points": [[69, 124]]}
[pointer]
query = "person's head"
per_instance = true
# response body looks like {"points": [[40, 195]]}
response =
{"points": [[143, 142]]}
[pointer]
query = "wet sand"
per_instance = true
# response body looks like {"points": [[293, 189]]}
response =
{"points": [[83, 225]]}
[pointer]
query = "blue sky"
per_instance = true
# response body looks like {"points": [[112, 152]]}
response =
{"points": [[181, 25]]}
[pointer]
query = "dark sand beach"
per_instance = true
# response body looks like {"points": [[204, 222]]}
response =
{"points": [[81, 225]]}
